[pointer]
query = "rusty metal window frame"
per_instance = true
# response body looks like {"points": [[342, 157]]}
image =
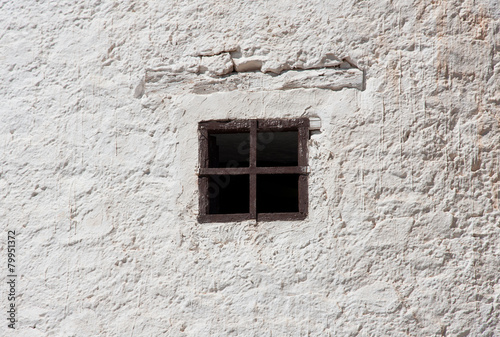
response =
{"points": [[301, 125]]}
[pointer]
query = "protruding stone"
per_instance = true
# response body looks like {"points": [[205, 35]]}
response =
{"points": [[217, 65], [253, 63]]}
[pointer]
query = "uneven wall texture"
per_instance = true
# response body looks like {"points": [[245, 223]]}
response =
{"points": [[100, 102]]}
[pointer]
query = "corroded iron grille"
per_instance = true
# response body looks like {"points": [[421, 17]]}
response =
{"points": [[253, 169]]}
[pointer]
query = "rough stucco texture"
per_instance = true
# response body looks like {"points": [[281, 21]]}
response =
{"points": [[98, 158]]}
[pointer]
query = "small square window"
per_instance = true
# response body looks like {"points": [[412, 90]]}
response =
{"points": [[253, 169]]}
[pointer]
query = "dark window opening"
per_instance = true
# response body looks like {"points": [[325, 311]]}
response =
{"points": [[277, 148], [229, 149], [277, 193], [253, 169], [228, 194]]}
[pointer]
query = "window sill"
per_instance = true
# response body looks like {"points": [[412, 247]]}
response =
{"points": [[291, 216]]}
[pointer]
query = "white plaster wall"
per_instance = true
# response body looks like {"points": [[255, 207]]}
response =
{"points": [[98, 154]]}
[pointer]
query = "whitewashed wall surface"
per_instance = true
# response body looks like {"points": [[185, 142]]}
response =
{"points": [[99, 107]]}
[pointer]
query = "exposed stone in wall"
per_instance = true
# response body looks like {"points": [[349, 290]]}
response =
{"points": [[172, 83], [206, 75], [98, 161]]}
